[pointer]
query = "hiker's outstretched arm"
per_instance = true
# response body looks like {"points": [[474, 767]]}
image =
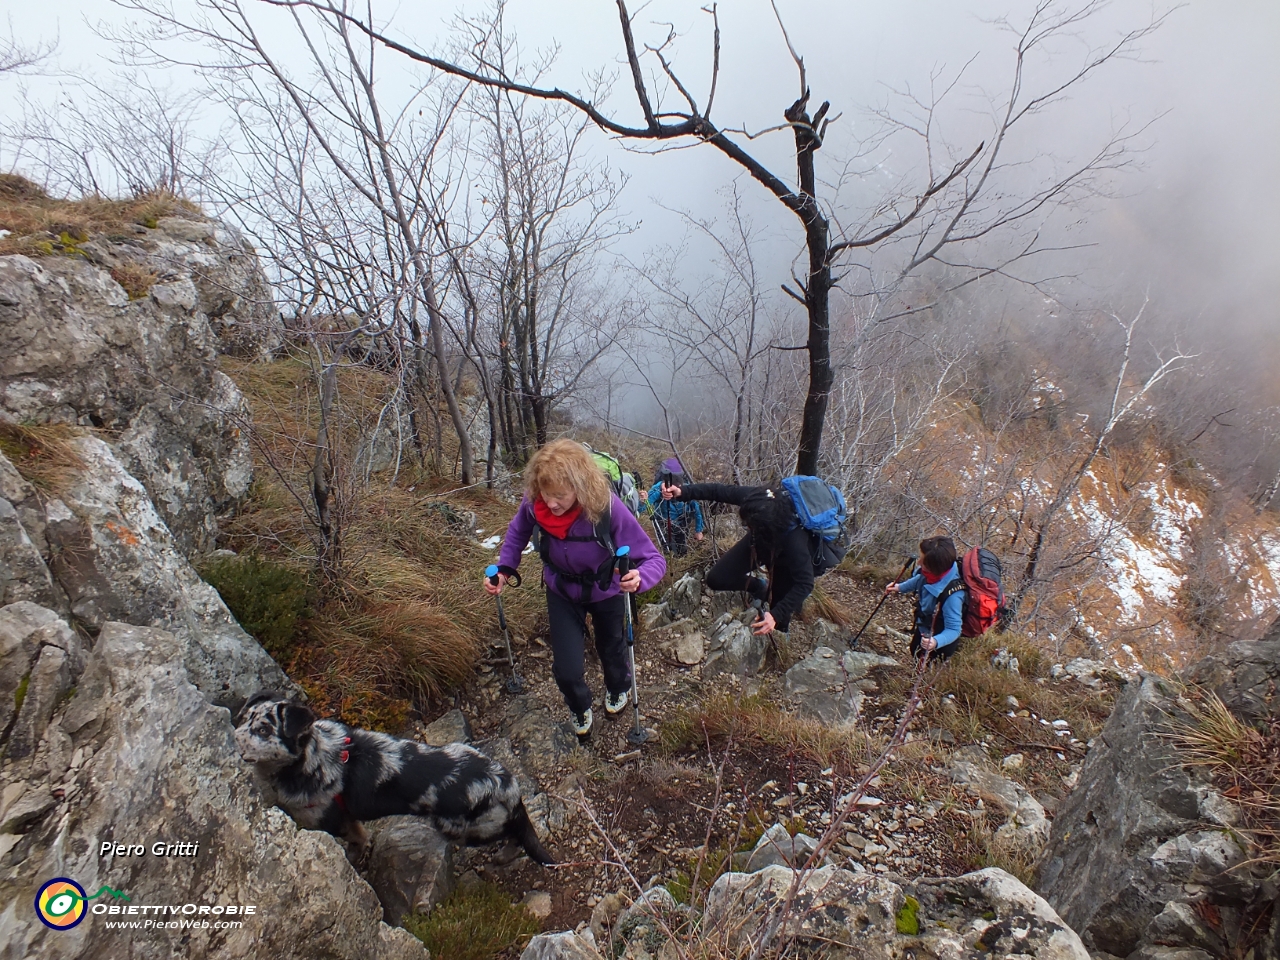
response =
{"points": [[717, 492]]}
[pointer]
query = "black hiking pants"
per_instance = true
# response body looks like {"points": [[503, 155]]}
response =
{"points": [[733, 570], [568, 646]]}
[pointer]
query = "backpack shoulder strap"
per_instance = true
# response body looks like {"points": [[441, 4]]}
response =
{"points": [[949, 591], [602, 529]]}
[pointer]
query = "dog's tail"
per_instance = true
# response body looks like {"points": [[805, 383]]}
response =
{"points": [[520, 829]]}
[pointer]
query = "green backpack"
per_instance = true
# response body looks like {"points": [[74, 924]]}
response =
{"points": [[623, 483]]}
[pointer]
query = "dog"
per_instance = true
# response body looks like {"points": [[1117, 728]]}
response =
{"points": [[332, 777]]}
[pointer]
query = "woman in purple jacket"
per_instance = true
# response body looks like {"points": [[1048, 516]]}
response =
{"points": [[577, 524]]}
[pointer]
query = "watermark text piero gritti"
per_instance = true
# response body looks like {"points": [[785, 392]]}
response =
{"points": [[160, 848]]}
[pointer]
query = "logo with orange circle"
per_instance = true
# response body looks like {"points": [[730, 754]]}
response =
{"points": [[61, 903]]}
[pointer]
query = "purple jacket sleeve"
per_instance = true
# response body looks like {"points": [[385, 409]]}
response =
{"points": [[645, 557], [519, 530]]}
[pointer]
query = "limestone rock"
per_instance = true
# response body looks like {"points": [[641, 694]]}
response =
{"points": [[74, 349], [23, 573], [997, 910], [1026, 826], [776, 847], [654, 615], [19, 650], [1141, 833], [818, 688], [684, 597], [538, 903], [59, 661], [858, 663], [117, 561], [409, 866], [451, 728], [639, 931], [157, 763], [685, 639], [733, 648], [559, 946], [831, 906], [218, 273]]}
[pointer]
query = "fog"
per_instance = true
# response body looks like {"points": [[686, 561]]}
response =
{"points": [[1190, 219]]}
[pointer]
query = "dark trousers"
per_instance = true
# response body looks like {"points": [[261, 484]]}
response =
{"points": [[568, 627], [940, 653], [674, 539], [732, 573]]}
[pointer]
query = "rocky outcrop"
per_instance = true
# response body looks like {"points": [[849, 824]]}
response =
{"points": [[1145, 854], [74, 349], [24, 575], [825, 685], [129, 755], [832, 914], [1026, 828], [409, 865], [114, 557], [733, 648], [221, 268]]}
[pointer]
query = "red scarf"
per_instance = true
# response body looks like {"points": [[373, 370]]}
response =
{"points": [[559, 526], [933, 577]]}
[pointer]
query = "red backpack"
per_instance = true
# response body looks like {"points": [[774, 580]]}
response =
{"points": [[983, 594]]}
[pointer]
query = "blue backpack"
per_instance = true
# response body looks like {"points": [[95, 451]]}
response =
{"points": [[820, 509]]}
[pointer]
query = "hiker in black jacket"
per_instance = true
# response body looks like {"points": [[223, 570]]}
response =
{"points": [[774, 540]]}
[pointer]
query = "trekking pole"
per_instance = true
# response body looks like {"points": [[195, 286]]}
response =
{"points": [[904, 572], [515, 683], [637, 734], [667, 504]]}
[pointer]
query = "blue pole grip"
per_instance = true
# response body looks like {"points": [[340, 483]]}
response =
{"points": [[491, 571], [623, 556]]}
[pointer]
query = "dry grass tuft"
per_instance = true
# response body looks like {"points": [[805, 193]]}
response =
{"points": [[136, 280], [754, 720], [40, 225], [409, 620], [44, 454], [1244, 763], [822, 604], [980, 691]]}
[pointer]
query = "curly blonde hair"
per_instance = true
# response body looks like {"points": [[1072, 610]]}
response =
{"points": [[566, 464]]}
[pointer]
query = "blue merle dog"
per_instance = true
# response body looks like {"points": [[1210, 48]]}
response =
{"points": [[332, 777]]}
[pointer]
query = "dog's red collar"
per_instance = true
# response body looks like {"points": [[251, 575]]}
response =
{"points": [[343, 756]]}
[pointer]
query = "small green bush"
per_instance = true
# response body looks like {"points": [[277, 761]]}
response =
{"points": [[268, 598], [475, 923]]}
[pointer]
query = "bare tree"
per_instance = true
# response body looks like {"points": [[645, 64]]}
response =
{"points": [[552, 217], [718, 324], [124, 136], [377, 149], [957, 209], [17, 57], [1124, 400]]}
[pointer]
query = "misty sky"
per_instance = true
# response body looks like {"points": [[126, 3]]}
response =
{"points": [[1196, 224]]}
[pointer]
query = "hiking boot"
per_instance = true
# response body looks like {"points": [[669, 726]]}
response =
{"points": [[615, 703], [582, 724]]}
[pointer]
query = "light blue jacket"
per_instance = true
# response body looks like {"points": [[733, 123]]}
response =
{"points": [[952, 610], [677, 511]]}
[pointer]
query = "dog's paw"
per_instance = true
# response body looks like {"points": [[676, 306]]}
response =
{"points": [[507, 854]]}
